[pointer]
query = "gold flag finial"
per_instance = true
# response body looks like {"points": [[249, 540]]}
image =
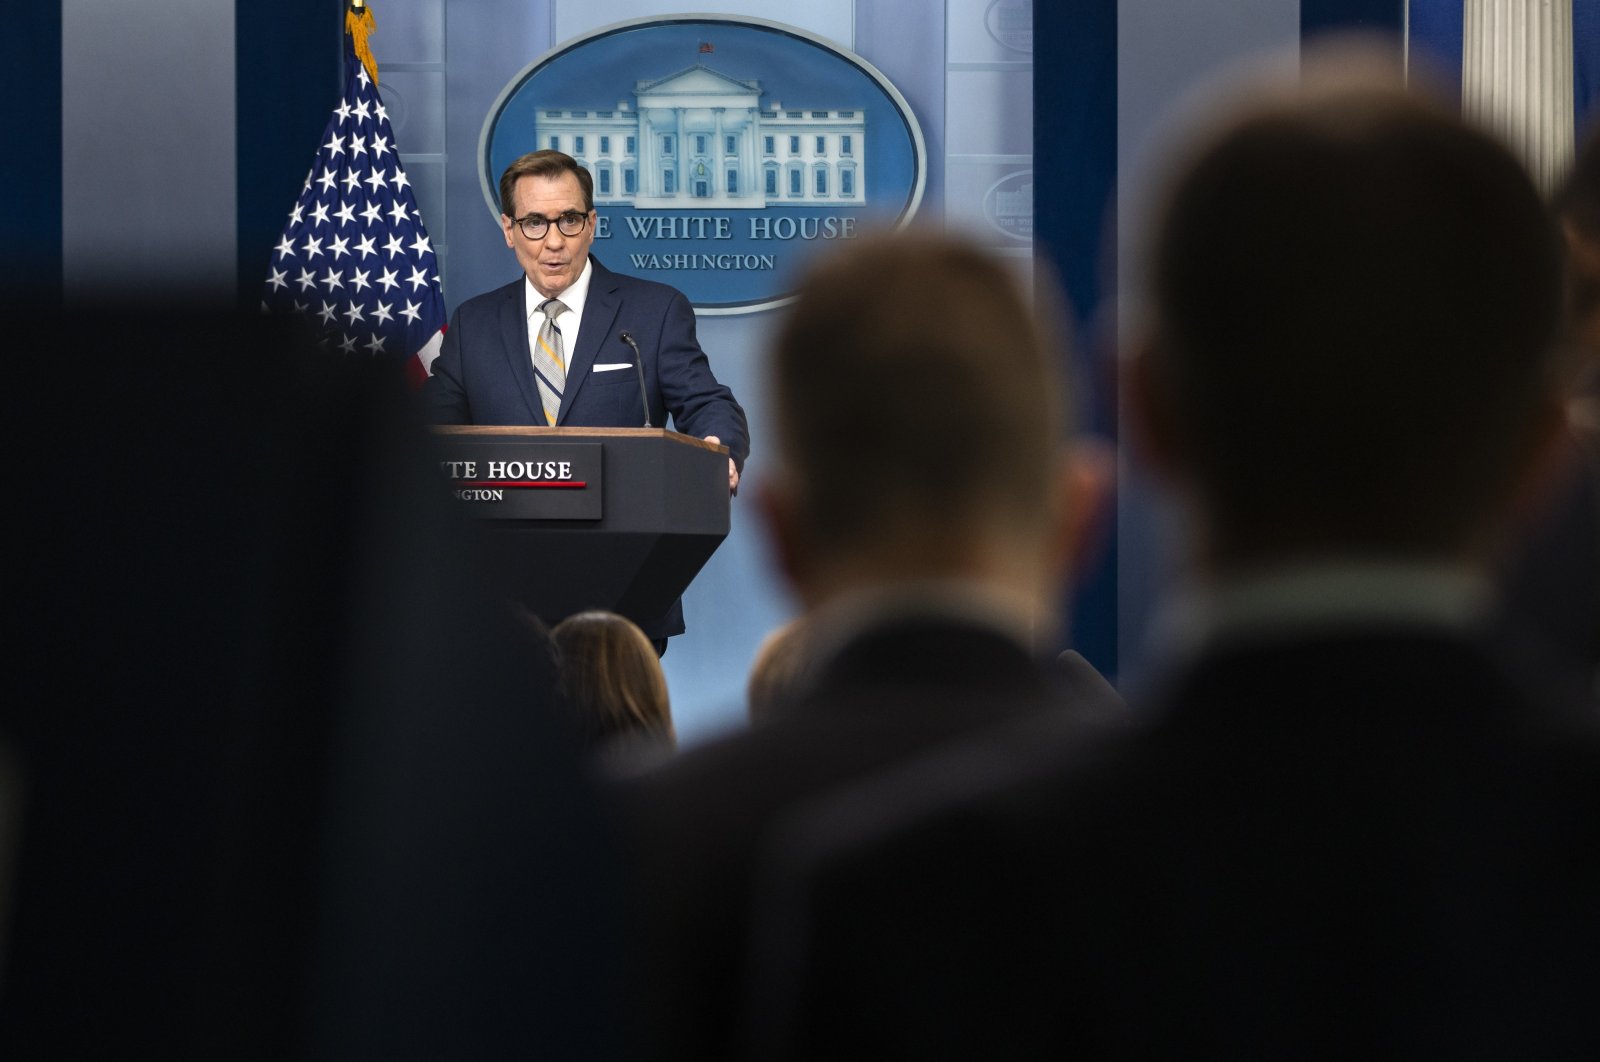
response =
{"points": [[359, 24]]}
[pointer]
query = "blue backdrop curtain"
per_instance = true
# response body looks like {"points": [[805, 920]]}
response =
{"points": [[30, 227]]}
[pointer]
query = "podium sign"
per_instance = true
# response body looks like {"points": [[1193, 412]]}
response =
{"points": [[502, 480], [651, 509]]}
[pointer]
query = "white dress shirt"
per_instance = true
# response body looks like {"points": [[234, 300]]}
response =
{"points": [[568, 320]]}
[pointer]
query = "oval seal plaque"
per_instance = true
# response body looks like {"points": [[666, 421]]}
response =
{"points": [[724, 150]]}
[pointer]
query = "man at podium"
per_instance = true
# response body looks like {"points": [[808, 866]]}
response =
{"points": [[571, 343]]}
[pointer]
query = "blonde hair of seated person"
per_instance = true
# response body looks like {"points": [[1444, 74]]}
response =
{"points": [[612, 682]]}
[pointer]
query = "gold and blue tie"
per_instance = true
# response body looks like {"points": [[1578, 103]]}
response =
{"points": [[550, 359]]}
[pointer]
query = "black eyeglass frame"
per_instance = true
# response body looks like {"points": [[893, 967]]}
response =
{"points": [[569, 224]]}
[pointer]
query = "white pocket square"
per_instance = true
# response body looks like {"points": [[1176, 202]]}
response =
{"points": [[610, 366]]}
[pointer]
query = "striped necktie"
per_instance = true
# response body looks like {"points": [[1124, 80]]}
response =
{"points": [[550, 360]]}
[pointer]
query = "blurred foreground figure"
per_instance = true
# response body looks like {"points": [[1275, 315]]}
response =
{"points": [[290, 785], [925, 513], [1348, 831]]}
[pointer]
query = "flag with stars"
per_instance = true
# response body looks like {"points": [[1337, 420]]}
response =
{"points": [[355, 256]]}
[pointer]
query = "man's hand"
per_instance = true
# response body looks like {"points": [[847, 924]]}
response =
{"points": [[733, 469]]}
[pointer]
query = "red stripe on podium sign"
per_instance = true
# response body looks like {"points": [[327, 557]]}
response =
{"points": [[528, 484]]}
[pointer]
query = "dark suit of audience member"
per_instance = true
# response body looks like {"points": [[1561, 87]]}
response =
{"points": [[1349, 830], [291, 785], [928, 557]]}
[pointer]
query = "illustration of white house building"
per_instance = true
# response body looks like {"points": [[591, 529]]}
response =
{"points": [[1013, 210], [701, 138]]}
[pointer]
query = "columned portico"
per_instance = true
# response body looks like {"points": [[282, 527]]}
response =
{"points": [[699, 110]]}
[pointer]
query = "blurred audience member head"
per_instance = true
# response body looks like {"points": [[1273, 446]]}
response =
{"points": [[777, 672], [274, 733], [612, 683], [1353, 307], [919, 422]]}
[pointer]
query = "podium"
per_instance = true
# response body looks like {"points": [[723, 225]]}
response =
{"points": [[581, 518]]}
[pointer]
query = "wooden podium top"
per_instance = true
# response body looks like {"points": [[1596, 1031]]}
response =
{"points": [[571, 433]]}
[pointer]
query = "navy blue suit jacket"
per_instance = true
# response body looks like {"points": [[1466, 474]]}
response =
{"points": [[698, 823], [1379, 843], [484, 372]]}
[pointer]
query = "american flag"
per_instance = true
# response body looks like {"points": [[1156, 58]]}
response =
{"points": [[355, 256]]}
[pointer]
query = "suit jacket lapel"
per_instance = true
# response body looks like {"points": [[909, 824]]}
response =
{"points": [[514, 339], [599, 311]]}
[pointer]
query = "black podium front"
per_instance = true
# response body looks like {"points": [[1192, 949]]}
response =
{"points": [[579, 518]]}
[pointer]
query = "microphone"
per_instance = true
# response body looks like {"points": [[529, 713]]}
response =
{"points": [[638, 363]]}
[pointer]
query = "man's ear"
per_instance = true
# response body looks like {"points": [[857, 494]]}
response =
{"points": [[506, 225], [1554, 453], [780, 513], [1151, 407], [1086, 487]]}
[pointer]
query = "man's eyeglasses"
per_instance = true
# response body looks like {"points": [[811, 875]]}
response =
{"points": [[535, 226]]}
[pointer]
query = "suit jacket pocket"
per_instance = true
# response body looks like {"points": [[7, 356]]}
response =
{"points": [[614, 378]]}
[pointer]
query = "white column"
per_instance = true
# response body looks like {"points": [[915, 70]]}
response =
{"points": [[650, 154], [640, 177], [749, 171], [1516, 79], [683, 159], [717, 156]]}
